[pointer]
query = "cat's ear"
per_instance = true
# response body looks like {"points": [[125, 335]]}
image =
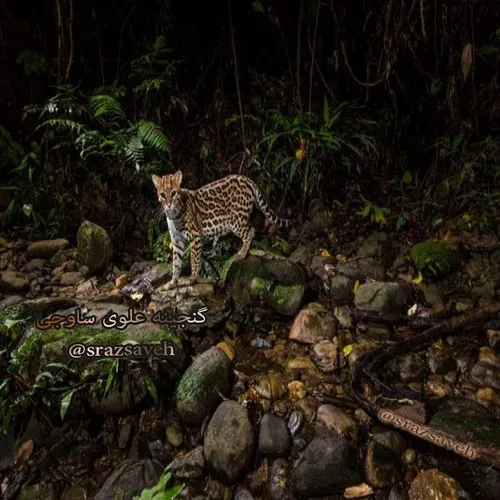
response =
{"points": [[156, 181], [178, 177]]}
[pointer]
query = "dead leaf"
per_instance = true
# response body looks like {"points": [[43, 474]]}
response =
{"points": [[325, 253], [413, 309], [466, 61], [24, 453], [359, 491], [121, 281], [356, 287]]}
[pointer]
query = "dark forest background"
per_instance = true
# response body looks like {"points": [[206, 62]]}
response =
{"points": [[389, 109]]}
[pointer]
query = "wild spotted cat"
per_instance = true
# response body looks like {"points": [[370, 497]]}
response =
{"points": [[216, 209]]}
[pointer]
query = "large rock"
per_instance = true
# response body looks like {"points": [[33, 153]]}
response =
{"points": [[434, 485], [229, 442], [327, 467], [312, 325], [10, 281], [274, 436], [267, 284], [129, 479], [204, 381], [94, 247], [383, 298], [46, 248]]}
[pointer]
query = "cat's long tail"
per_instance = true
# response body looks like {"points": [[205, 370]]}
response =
{"points": [[275, 219]]}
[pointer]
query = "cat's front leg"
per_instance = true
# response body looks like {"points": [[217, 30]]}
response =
{"points": [[177, 253]]}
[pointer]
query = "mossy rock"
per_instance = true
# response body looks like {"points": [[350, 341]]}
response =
{"points": [[94, 247], [202, 385], [435, 259], [55, 343], [267, 284], [468, 421]]}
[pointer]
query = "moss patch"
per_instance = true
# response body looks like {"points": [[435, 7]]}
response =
{"points": [[285, 293], [435, 259]]}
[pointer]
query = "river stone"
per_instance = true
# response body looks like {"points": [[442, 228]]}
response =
{"points": [[359, 269], [312, 325], [268, 284], [44, 306], [468, 421], [200, 387], [279, 487], [12, 281], [45, 249], [336, 421], [130, 479], [229, 442], [94, 247], [383, 298], [434, 485], [47, 491], [190, 465], [327, 466], [274, 436]]}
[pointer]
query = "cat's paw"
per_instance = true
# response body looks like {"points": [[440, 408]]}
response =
{"points": [[191, 280]]}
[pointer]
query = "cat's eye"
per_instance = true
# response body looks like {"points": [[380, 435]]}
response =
{"points": [[174, 192], [163, 195]]}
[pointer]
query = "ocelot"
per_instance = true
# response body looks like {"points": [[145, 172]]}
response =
{"points": [[211, 211]]}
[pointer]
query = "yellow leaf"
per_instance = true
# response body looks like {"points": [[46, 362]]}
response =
{"points": [[300, 154], [466, 61], [325, 253], [228, 349], [170, 246], [137, 296], [418, 279], [347, 349], [3, 242], [356, 287]]}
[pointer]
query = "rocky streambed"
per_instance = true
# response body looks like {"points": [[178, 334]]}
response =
{"points": [[256, 401]]}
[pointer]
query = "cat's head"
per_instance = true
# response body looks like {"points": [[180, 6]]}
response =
{"points": [[168, 188]]}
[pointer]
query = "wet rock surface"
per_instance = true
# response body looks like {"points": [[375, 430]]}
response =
{"points": [[239, 411]]}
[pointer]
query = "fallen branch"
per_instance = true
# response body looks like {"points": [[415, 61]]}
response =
{"points": [[366, 365]]}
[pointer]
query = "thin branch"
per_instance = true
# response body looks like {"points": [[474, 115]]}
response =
{"points": [[357, 80], [71, 45], [299, 32], [236, 74], [312, 54]]}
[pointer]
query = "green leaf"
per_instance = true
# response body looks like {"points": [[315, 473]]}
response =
{"points": [[407, 177], [65, 402], [366, 210], [400, 223], [9, 323], [152, 389], [326, 111], [258, 7]]}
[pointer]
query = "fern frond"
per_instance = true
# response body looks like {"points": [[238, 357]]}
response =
{"points": [[134, 150], [63, 125], [104, 105], [151, 135]]}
